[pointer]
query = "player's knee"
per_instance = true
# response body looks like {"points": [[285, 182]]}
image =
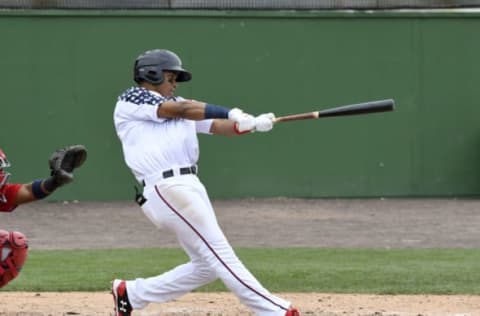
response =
{"points": [[13, 254], [204, 271]]}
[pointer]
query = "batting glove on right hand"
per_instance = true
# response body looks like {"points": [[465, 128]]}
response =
{"points": [[264, 122], [246, 124], [244, 121], [235, 115]]}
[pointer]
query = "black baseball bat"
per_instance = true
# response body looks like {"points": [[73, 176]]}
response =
{"points": [[345, 110]]}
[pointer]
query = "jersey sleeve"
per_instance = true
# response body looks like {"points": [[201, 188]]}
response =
{"points": [[137, 112], [203, 126], [138, 104], [10, 192]]}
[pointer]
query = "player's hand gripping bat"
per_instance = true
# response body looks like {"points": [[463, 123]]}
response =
{"points": [[351, 109]]}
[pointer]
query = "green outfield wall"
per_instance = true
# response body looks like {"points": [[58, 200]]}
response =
{"points": [[63, 70]]}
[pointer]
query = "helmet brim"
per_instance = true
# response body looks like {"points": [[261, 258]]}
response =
{"points": [[182, 75]]}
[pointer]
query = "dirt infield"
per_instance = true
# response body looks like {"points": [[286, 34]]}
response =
{"points": [[372, 223], [225, 304]]}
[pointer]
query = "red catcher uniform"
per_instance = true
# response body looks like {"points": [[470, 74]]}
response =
{"points": [[13, 245], [8, 193]]}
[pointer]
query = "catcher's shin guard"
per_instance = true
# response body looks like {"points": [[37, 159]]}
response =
{"points": [[13, 250]]}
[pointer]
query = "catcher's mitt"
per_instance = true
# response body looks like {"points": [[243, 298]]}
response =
{"points": [[63, 161]]}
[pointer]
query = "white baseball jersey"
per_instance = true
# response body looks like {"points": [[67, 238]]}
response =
{"points": [[151, 144]]}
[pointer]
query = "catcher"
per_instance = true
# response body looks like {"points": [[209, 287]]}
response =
{"points": [[14, 245]]}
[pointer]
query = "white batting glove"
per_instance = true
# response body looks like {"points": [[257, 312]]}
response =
{"points": [[246, 123], [264, 122], [235, 115]]}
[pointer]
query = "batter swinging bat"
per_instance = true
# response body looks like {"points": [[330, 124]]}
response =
{"points": [[352, 109]]}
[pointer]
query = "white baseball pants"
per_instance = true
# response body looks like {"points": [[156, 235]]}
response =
{"points": [[181, 204]]}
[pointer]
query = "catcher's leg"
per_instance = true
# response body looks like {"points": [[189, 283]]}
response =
{"points": [[13, 250]]}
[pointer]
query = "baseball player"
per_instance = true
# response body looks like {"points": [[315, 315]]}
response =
{"points": [[158, 132], [13, 244]]}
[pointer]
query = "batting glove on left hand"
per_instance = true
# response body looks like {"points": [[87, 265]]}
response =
{"points": [[264, 122]]}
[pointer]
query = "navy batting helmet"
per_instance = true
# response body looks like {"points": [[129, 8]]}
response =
{"points": [[150, 65]]}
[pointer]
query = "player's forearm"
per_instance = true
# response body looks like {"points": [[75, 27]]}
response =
{"points": [[37, 190], [33, 191], [187, 109], [62, 162], [223, 127], [192, 110]]}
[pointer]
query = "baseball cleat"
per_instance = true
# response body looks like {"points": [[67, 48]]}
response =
{"points": [[120, 298], [292, 312]]}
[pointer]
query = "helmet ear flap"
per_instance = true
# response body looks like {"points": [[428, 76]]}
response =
{"points": [[155, 74], [152, 74]]}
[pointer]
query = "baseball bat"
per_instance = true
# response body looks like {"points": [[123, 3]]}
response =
{"points": [[351, 109]]}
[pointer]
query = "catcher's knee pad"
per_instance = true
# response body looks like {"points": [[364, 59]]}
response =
{"points": [[13, 252]]}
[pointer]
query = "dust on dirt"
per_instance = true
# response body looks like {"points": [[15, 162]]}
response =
{"points": [[273, 222]]}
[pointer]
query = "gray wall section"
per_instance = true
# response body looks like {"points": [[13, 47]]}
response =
{"points": [[62, 73], [237, 4]]}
